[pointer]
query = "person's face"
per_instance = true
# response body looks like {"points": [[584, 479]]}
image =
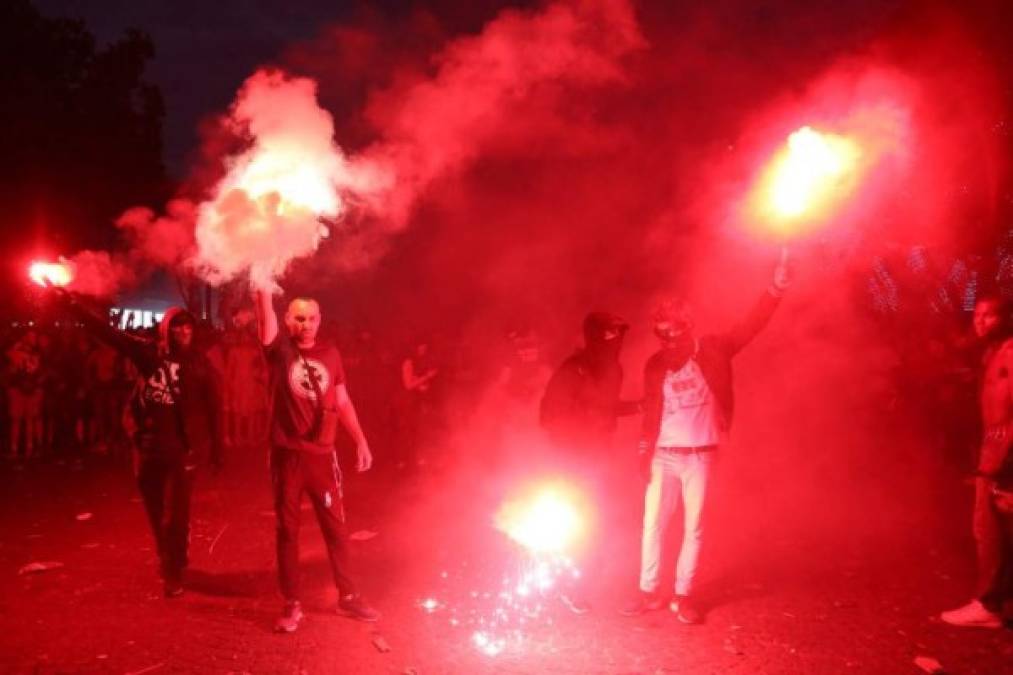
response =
{"points": [[181, 334], [303, 321], [674, 323], [611, 333], [986, 318]]}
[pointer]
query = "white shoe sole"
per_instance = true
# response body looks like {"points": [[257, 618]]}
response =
{"points": [[995, 622]]}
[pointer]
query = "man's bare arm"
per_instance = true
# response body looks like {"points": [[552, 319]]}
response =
{"points": [[350, 420], [267, 319]]}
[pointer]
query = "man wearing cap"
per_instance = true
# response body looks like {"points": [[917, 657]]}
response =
{"points": [[688, 404], [177, 426], [310, 399]]}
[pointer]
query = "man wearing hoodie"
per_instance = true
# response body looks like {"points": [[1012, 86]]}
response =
{"points": [[688, 405], [310, 398], [579, 411], [177, 427], [581, 400]]}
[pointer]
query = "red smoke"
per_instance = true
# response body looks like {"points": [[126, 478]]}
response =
{"points": [[483, 84], [583, 118], [267, 209]]}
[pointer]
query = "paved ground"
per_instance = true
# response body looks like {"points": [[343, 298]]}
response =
{"points": [[780, 602]]}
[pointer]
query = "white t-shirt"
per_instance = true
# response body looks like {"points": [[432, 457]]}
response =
{"points": [[689, 418]]}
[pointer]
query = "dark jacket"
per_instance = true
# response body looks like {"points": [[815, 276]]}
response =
{"points": [[581, 400], [714, 357], [176, 406]]}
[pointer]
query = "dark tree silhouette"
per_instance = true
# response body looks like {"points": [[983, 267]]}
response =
{"points": [[80, 134]]}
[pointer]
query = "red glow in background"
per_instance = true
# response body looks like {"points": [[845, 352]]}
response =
{"points": [[563, 157]]}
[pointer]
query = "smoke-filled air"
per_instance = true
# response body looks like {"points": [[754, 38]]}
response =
{"points": [[494, 207]]}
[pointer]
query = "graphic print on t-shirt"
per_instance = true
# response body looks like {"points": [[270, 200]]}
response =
{"points": [[300, 374], [685, 388], [163, 384]]}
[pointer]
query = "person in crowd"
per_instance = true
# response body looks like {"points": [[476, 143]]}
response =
{"points": [[420, 378], [25, 395], [76, 372], [49, 353], [688, 405], [310, 398], [525, 374], [244, 381], [993, 485], [579, 412], [103, 385], [370, 377], [175, 413]]}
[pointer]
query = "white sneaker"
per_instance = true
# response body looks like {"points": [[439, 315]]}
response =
{"points": [[291, 617], [972, 614]]}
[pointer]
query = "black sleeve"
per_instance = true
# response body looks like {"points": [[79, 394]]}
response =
{"points": [[557, 405], [140, 351], [748, 328]]}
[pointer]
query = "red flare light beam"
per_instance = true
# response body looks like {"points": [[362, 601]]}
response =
{"points": [[807, 180], [51, 273], [548, 519]]}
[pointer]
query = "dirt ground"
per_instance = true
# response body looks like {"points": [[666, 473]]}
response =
{"points": [[777, 602]]}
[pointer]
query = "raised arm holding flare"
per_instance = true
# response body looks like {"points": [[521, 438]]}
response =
{"points": [[688, 406], [310, 398], [177, 425]]}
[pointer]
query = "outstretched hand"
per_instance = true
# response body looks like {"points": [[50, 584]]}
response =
{"points": [[57, 293]]}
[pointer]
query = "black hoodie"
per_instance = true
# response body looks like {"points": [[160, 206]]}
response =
{"points": [[176, 405], [581, 401]]}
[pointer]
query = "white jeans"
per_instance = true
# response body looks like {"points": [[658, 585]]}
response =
{"points": [[674, 475]]}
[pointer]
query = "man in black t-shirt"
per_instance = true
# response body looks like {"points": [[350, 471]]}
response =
{"points": [[309, 399]]}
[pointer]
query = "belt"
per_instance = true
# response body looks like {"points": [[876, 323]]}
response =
{"points": [[680, 450]]}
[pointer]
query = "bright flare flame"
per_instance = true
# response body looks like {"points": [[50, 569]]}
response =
{"points": [[546, 521], [807, 178], [269, 207], [51, 274]]}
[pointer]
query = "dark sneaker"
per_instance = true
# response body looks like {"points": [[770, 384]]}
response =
{"points": [[642, 603], [575, 603], [686, 609], [355, 607], [291, 617], [173, 588]]}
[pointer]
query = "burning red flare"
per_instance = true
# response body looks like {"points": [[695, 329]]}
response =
{"points": [[807, 180], [50, 273], [546, 519]]}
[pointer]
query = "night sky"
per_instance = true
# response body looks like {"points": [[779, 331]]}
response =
{"points": [[580, 187], [204, 50]]}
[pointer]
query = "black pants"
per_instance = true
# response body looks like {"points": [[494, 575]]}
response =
{"points": [[166, 486], [293, 473]]}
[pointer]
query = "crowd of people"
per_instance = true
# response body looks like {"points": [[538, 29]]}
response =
{"points": [[185, 394], [65, 393]]}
